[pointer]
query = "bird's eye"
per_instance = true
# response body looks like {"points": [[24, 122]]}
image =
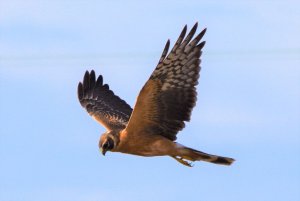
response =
{"points": [[106, 145]]}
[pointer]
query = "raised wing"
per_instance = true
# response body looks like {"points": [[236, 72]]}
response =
{"points": [[102, 104], [168, 97]]}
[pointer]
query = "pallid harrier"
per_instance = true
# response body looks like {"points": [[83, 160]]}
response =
{"points": [[163, 105]]}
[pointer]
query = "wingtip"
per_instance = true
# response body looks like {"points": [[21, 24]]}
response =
{"points": [[80, 91], [93, 72], [106, 86], [167, 46], [86, 76], [184, 31], [195, 27], [201, 45], [201, 34], [87, 73], [92, 79], [99, 81]]}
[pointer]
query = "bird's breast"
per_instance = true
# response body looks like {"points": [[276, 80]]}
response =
{"points": [[145, 145]]}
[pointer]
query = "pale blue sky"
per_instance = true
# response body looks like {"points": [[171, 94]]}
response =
{"points": [[248, 104]]}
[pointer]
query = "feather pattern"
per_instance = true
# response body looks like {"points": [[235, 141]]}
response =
{"points": [[168, 97], [101, 102]]}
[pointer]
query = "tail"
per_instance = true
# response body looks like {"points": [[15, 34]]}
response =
{"points": [[195, 155]]}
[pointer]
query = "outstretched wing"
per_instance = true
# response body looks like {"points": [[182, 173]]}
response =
{"points": [[102, 104], [168, 97]]}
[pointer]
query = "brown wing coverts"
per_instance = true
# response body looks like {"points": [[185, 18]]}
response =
{"points": [[101, 103], [177, 74]]}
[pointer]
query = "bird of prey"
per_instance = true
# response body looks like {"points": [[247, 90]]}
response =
{"points": [[162, 107]]}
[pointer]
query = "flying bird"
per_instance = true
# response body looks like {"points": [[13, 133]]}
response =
{"points": [[162, 107]]}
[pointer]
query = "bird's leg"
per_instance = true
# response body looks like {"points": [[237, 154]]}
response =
{"points": [[180, 160]]}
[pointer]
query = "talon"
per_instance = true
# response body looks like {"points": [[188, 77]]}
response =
{"points": [[180, 160]]}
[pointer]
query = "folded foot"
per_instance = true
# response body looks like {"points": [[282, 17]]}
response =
{"points": [[180, 160]]}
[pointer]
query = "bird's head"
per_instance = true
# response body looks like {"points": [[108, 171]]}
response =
{"points": [[108, 141]]}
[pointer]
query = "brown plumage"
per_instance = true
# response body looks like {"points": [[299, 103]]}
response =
{"points": [[163, 105]]}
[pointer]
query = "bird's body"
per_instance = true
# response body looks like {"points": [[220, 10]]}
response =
{"points": [[163, 105], [155, 146]]}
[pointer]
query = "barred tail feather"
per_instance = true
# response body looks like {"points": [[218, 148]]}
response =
{"points": [[196, 155]]}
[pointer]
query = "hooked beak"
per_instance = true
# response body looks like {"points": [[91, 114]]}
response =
{"points": [[103, 151]]}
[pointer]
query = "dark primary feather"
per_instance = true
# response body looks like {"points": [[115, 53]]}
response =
{"points": [[174, 80], [101, 103]]}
